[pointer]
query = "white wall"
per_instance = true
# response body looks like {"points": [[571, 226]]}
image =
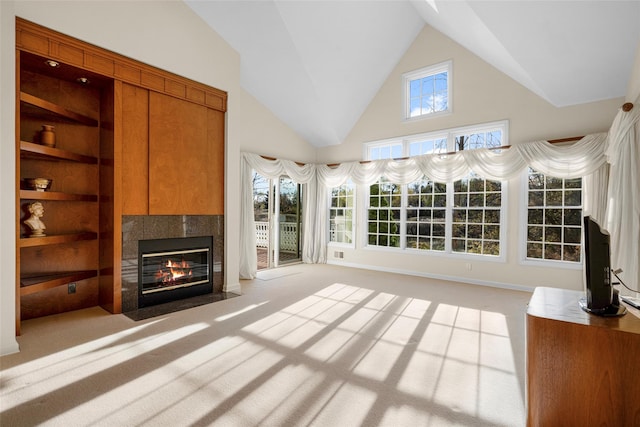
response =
{"points": [[633, 91], [167, 35], [8, 343], [480, 94]]}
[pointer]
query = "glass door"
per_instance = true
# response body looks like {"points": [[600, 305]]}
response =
{"points": [[289, 222], [278, 218], [262, 216]]}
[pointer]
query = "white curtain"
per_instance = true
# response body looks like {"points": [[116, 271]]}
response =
{"points": [[623, 204], [274, 169], [248, 254], [574, 161], [583, 158], [594, 194]]}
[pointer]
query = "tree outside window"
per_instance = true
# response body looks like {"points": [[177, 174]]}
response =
{"points": [[458, 217], [554, 218], [383, 223]]}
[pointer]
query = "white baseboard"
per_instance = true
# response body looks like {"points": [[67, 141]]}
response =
{"points": [[468, 280], [233, 288], [9, 347]]}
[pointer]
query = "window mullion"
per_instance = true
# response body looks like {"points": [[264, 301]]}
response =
{"points": [[404, 201], [403, 216], [449, 219], [448, 232]]}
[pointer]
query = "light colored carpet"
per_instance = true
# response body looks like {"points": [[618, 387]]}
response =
{"points": [[320, 345]]}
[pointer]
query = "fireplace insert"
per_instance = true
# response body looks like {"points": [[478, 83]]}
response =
{"points": [[173, 269]]}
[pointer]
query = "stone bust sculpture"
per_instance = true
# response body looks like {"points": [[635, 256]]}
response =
{"points": [[33, 222]]}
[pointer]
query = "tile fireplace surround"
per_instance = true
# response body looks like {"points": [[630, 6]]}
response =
{"points": [[135, 228]]}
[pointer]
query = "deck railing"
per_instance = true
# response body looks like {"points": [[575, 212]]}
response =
{"points": [[288, 236]]}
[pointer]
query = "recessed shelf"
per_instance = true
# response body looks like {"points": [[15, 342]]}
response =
{"points": [[56, 195], [32, 283], [44, 108], [28, 242], [42, 152]]}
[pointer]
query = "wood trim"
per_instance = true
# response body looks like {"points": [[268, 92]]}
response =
{"points": [[34, 38], [118, 154]]}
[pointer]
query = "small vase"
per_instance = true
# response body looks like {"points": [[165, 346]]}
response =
{"points": [[48, 136]]}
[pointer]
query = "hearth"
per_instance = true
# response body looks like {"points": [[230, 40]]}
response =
{"points": [[174, 268]]}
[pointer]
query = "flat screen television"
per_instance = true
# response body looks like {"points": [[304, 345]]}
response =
{"points": [[601, 298]]}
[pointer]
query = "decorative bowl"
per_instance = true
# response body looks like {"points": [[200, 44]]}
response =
{"points": [[38, 184]]}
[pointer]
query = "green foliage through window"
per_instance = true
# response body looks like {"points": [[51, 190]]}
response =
{"points": [[554, 218], [385, 199], [457, 217]]}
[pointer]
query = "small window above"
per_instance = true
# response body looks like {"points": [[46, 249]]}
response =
{"points": [[427, 91], [384, 150]]}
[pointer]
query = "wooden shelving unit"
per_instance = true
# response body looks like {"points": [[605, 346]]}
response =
{"points": [[100, 167], [37, 283], [56, 195], [43, 109], [69, 252], [29, 242], [41, 152]]}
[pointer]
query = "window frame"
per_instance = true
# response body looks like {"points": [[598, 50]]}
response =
{"points": [[449, 135], [368, 152], [484, 224], [354, 216], [387, 211], [408, 77], [524, 224]]}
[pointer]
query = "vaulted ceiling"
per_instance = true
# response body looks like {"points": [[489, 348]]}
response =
{"points": [[317, 64]]}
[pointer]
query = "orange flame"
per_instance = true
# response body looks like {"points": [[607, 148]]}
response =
{"points": [[179, 269], [172, 271]]}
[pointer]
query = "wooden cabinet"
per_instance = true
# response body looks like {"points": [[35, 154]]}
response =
{"points": [[130, 140], [68, 252], [185, 159], [582, 369], [175, 155]]}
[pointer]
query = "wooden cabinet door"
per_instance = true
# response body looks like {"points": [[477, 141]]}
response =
{"points": [[183, 160], [135, 150], [215, 136]]}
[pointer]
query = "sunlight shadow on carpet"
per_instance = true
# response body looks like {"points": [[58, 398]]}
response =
{"points": [[323, 346], [274, 273]]}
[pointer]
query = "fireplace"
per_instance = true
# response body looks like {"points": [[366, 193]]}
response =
{"points": [[174, 268], [140, 228]]}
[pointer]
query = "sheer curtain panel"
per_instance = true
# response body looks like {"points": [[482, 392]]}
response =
{"points": [[623, 201]]}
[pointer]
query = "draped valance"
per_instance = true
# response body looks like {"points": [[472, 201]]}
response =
{"points": [[576, 160], [570, 161]]}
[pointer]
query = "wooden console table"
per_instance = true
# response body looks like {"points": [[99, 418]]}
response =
{"points": [[582, 370]]}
